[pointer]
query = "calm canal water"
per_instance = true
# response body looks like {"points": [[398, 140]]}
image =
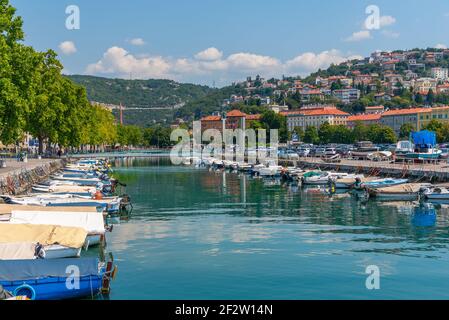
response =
{"points": [[196, 234]]}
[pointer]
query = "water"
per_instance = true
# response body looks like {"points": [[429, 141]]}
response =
{"points": [[196, 234]]}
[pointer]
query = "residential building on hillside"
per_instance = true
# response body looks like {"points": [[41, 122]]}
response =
{"points": [[347, 95], [424, 85], [440, 73]]}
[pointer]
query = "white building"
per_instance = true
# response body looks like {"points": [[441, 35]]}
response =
{"points": [[440, 73]]}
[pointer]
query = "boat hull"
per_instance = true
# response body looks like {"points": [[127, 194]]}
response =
{"points": [[55, 288]]}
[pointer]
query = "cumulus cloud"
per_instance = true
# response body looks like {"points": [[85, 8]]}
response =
{"points": [[359, 36], [387, 21], [67, 47], [120, 62], [208, 64], [366, 32], [137, 42], [311, 62], [210, 54], [440, 46]]}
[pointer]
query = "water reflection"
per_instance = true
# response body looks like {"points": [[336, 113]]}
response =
{"points": [[196, 219]]}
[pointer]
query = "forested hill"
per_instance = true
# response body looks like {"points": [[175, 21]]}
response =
{"points": [[140, 93]]}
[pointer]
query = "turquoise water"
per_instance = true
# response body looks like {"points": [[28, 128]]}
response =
{"points": [[196, 234]]}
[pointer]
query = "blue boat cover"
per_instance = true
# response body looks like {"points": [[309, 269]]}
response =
{"points": [[21, 270], [424, 138]]}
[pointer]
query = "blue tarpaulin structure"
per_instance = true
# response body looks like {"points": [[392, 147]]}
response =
{"points": [[424, 138]]}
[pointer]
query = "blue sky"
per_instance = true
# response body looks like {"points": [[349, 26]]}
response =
{"points": [[223, 41]]}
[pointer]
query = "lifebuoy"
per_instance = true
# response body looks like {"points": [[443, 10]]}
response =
{"points": [[25, 290]]}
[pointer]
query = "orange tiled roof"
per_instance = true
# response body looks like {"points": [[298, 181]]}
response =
{"points": [[235, 113], [364, 117], [317, 112], [211, 118], [405, 111], [253, 117], [325, 112], [374, 107]]}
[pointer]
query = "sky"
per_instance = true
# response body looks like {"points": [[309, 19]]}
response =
{"points": [[221, 41]]}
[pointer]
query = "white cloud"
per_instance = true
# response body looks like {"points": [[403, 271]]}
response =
{"points": [[249, 61], [309, 62], [210, 54], [359, 36], [387, 21], [118, 62], [440, 46], [366, 33], [137, 42], [67, 47]]}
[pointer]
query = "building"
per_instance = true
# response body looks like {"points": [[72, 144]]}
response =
{"points": [[347, 95], [396, 118], [234, 119], [424, 85], [374, 109], [440, 73], [437, 113], [316, 117], [366, 119]]}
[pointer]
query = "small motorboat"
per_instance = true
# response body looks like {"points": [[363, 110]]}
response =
{"points": [[382, 183], [51, 279], [350, 182], [323, 178], [436, 193], [53, 241], [92, 222], [380, 156], [403, 192], [271, 169]]}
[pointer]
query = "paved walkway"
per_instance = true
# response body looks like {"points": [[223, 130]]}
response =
{"points": [[13, 165]]}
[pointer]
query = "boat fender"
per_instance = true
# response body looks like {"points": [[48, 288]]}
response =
{"points": [[25, 290]]}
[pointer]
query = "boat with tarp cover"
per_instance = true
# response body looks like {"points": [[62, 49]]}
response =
{"points": [[55, 279]]}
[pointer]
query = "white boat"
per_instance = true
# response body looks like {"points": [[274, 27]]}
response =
{"points": [[55, 241], [271, 169], [380, 156], [435, 193], [324, 178], [349, 181], [92, 222]]}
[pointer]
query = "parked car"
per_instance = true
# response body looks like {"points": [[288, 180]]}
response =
{"points": [[319, 152], [330, 152], [292, 155], [304, 152]]}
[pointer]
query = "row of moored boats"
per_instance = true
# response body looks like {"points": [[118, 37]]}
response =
{"points": [[333, 182], [44, 234]]}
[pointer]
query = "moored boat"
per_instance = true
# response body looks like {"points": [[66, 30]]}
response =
{"points": [[404, 192], [51, 279]]}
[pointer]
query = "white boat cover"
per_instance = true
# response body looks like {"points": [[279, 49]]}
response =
{"points": [[17, 251], [7, 209], [92, 222], [44, 234], [22, 270]]}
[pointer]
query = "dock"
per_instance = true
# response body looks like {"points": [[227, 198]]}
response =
{"points": [[425, 172]]}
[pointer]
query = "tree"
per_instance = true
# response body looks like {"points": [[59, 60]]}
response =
{"points": [[430, 97], [311, 135], [406, 129], [272, 120], [381, 134], [325, 133], [360, 132]]}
